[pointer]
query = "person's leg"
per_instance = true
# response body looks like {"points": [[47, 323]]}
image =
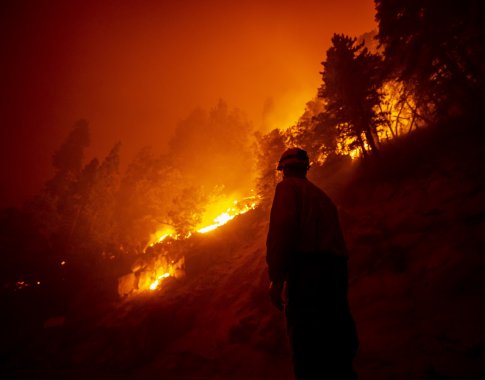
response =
{"points": [[305, 356], [320, 347], [314, 359], [321, 330]]}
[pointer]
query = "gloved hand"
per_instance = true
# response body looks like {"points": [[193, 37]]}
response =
{"points": [[275, 294]]}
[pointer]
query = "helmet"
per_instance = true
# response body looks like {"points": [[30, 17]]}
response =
{"points": [[293, 156]]}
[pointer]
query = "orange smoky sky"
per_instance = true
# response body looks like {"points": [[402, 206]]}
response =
{"points": [[134, 69]]}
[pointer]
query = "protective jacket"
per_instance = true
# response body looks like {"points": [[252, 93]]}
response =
{"points": [[306, 249], [304, 223]]}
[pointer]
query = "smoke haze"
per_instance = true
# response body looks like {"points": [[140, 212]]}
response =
{"points": [[135, 70]]}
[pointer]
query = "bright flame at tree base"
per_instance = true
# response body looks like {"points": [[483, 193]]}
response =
{"points": [[210, 222], [156, 283], [150, 275], [238, 208]]}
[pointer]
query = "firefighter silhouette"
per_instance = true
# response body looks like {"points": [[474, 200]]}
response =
{"points": [[307, 252]]}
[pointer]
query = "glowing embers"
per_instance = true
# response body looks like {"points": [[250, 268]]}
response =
{"points": [[19, 285]]}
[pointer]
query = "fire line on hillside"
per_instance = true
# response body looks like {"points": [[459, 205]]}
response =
{"points": [[148, 273]]}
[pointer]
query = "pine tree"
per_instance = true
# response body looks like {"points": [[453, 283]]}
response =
{"points": [[351, 81]]}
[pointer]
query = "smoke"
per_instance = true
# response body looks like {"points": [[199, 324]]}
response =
{"points": [[212, 150]]}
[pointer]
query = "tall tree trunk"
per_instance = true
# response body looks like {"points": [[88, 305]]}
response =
{"points": [[362, 144], [370, 140]]}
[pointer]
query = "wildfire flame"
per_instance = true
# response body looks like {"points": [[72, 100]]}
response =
{"points": [[238, 208], [156, 283], [160, 236], [210, 222], [231, 207], [399, 108], [401, 121]]}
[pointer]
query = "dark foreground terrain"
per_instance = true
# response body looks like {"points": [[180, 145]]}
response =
{"points": [[414, 219]]}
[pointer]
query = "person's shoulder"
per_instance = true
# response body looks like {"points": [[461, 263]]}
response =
{"points": [[318, 190], [315, 187], [287, 182], [290, 184], [294, 182]]}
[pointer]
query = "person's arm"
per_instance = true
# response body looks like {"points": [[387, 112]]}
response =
{"points": [[276, 294], [281, 240]]}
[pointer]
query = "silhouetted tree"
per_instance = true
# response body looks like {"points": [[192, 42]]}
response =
{"points": [[146, 192], [269, 148], [436, 47], [399, 110], [82, 190], [311, 134], [55, 208], [186, 211], [351, 81], [213, 148], [68, 159], [99, 210]]}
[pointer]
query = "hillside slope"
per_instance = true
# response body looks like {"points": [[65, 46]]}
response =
{"points": [[415, 226], [414, 222]]}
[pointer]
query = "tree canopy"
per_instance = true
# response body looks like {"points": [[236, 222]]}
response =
{"points": [[436, 47], [351, 81]]}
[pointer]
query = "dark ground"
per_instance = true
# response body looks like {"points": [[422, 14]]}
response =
{"points": [[414, 219]]}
